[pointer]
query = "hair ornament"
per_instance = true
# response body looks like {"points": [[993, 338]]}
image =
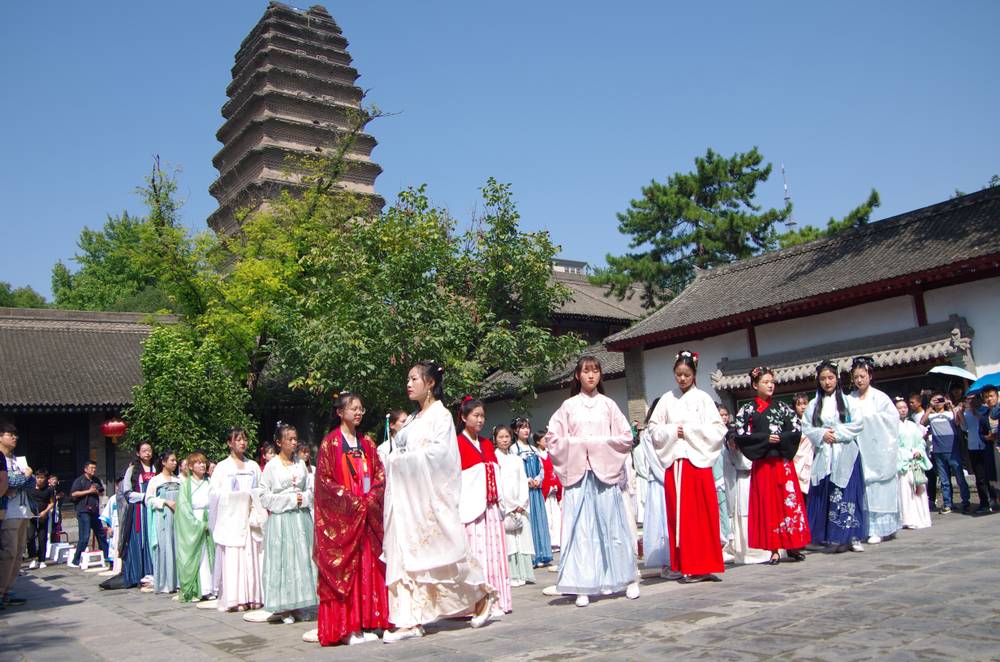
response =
{"points": [[467, 398]]}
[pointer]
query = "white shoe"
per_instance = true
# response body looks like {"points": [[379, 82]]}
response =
{"points": [[371, 636], [856, 546], [41, 565], [146, 589], [874, 540], [70, 563], [357, 638], [551, 591], [211, 603], [514, 583], [632, 592], [400, 635], [288, 619], [32, 565], [479, 620], [553, 568], [311, 636], [582, 600], [257, 616]]}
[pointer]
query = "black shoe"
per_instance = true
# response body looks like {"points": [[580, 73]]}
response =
{"points": [[966, 507], [12, 601], [796, 556], [773, 561], [983, 509]]}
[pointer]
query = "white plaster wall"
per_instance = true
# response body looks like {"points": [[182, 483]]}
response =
{"points": [[979, 303], [541, 409], [895, 314], [659, 363]]}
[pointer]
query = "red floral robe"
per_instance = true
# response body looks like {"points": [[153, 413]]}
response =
{"points": [[348, 540]]}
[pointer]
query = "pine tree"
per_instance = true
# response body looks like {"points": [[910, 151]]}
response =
{"points": [[701, 219]]}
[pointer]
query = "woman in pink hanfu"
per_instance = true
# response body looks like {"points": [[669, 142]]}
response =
{"points": [[589, 440]]}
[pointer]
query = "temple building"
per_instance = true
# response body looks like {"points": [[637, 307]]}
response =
{"points": [[292, 95]]}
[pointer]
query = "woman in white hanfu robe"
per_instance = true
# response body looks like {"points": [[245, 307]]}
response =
{"points": [[237, 522], [879, 445], [655, 541], [914, 510], [688, 434], [429, 572]]}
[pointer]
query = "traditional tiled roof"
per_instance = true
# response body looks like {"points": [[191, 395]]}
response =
{"points": [[942, 340], [501, 384], [592, 301], [946, 241], [67, 358]]}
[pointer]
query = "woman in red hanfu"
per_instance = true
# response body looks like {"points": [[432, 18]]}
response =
{"points": [[768, 434], [479, 508], [552, 491], [350, 485], [687, 434]]}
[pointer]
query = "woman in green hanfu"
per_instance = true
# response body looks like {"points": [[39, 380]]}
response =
{"points": [[289, 575], [195, 547]]}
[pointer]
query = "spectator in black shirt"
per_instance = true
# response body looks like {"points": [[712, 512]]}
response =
{"points": [[43, 497], [86, 493]]}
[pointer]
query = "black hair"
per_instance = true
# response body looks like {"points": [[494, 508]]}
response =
{"points": [[86, 463], [518, 423], [838, 394], [759, 372], [391, 417], [652, 408], [234, 432], [688, 358], [280, 428], [502, 427], [722, 407], [469, 405], [865, 362], [801, 395], [574, 386], [538, 436], [6, 427], [136, 463], [431, 371], [935, 394], [163, 457], [342, 401]]}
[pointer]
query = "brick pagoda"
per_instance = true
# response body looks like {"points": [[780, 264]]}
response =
{"points": [[293, 87]]}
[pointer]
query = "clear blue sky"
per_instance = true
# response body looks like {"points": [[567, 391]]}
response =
{"points": [[577, 104]]}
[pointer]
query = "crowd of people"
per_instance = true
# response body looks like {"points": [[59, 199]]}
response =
{"points": [[439, 521]]}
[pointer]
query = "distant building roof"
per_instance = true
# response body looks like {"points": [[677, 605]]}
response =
{"points": [[55, 359], [503, 384], [592, 301], [950, 242]]}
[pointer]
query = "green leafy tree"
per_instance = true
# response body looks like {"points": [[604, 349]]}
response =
{"points": [[145, 264], [20, 297], [857, 217], [189, 397], [700, 219]]}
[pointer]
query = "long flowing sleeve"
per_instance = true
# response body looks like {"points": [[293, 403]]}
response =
{"points": [[568, 464], [878, 436], [276, 495], [704, 431], [423, 493], [752, 433], [343, 520], [513, 484]]}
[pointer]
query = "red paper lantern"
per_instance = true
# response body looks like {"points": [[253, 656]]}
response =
{"points": [[114, 428]]}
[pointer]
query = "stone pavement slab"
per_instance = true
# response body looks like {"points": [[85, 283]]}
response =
{"points": [[929, 595]]}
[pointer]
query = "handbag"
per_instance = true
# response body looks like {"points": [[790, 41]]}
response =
{"points": [[919, 476], [513, 523]]}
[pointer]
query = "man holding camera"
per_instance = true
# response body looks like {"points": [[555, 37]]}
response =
{"points": [[941, 419]]}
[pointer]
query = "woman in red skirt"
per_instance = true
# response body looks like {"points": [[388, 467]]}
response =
{"points": [[350, 486], [687, 434], [768, 433]]}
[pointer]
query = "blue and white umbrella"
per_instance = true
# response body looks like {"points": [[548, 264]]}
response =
{"points": [[953, 371]]}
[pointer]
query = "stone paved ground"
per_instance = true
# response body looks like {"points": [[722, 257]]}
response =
{"points": [[928, 595]]}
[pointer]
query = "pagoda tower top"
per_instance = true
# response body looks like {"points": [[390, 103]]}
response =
{"points": [[292, 93]]}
